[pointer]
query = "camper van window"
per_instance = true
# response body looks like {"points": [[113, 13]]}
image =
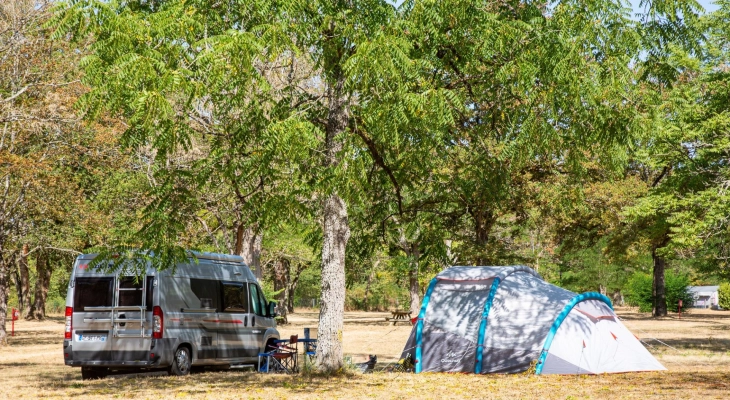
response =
{"points": [[130, 291], [150, 287], [93, 292], [234, 297], [206, 290], [257, 306], [262, 301]]}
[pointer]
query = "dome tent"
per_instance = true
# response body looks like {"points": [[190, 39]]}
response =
{"points": [[504, 319]]}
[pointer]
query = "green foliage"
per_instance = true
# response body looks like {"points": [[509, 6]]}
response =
{"points": [[639, 291], [724, 295], [678, 289]]}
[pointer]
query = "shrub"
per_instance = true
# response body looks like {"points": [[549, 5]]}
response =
{"points": [[724, 295], [677, 286], [639, 291]]}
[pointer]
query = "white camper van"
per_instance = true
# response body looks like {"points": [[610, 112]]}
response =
{"points": [[209, 312]]}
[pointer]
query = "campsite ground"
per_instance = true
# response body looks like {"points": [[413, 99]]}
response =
{"points": [[695, 349]]}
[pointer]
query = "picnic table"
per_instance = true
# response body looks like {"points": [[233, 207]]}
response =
{"points": [[399, 316]]}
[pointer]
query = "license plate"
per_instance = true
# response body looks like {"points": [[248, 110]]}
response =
{"points": [[91, 338]]}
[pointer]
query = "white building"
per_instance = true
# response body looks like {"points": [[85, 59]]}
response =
{"points": [[705, 296]]}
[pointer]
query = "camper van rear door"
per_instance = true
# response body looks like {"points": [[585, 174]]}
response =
{"points": [[133, 319], [92, 330]]}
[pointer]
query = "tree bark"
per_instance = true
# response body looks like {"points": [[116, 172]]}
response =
{"points": [[332, 300], [248, 246], [42, 283], [3, 300], [414, 255], [336, 233], [483, 222], [367, 287], [293, 283], [658, 286], [281, 283], [24, 299]]}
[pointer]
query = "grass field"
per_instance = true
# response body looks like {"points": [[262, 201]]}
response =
{"points": [[695, 349]]}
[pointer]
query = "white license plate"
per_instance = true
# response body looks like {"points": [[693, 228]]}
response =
{"points": [[91, 338]]}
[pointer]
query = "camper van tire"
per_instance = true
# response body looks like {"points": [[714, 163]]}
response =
{"points": [[90, 373], [181, 362]]}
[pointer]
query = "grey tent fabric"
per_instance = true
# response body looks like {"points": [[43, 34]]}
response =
{"points": [[521, 311], [524, 307]]}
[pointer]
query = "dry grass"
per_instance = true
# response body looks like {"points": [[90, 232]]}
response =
{"points": [[698, 362]]}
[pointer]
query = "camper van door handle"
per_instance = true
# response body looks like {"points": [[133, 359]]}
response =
{"points": [[245, 321], [253, 321]]}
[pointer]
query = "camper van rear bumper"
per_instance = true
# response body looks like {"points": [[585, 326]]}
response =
{"points": [[157, 356]]}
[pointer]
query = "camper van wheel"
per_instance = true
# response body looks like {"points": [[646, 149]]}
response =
{"points": [[181, 362], [89, 373]]}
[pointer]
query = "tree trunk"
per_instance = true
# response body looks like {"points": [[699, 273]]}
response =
{"points": [[483, 221], [3, 300], [414, 256], [281, 283], [15, 276], [293, 283], [248, 246], [367, 287], [290, 301], [24, 299], [658, 286], [332, 301], [42, 283], [336, 233]]}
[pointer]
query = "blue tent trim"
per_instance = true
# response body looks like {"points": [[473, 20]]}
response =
{"points": [[559, 320], [419, 324], [483, 326]]}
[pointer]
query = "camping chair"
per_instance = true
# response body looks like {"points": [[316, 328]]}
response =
{"points": [[282, 357]]}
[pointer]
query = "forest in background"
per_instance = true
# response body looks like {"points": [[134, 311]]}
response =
{"points": [[349, 150]]}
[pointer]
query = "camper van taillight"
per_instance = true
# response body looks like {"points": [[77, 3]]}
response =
{"points": [[69, 322], [157, 322]]}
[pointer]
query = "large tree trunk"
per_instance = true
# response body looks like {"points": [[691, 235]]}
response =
{"points": [[248, 246], [3, 300], [659, 287], [332, 300], [336, 233], [24, 299], [42, 283]]}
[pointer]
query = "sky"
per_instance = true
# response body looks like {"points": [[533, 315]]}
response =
{"points": [[708, 5]]}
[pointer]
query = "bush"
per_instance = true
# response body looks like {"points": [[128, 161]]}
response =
{"points": [[639, 291], [724, 296]]}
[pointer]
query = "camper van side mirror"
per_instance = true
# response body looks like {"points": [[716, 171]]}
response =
{"points": [[272, 309]]}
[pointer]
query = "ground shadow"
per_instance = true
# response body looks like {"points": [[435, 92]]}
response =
{"points": [[133, 384]]}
